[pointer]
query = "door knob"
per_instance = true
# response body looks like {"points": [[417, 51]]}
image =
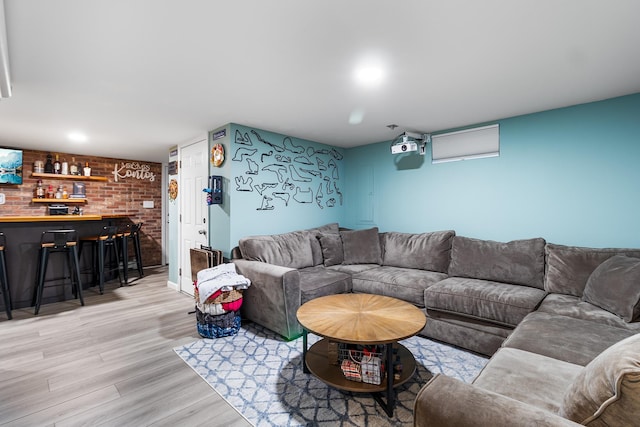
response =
{"points": [[202, 232]]}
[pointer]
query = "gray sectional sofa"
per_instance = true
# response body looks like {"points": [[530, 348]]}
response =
{"points": [[560, 323], [289, 269], [575, 360]]}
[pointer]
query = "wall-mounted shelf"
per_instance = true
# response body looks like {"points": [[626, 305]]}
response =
{"points": [[70, 177], [63, 201]]}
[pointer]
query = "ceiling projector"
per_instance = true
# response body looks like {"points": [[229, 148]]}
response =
{"points": [[404, 147], [407, 142]]}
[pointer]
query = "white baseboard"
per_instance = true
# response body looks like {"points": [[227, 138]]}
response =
{"points": [[173, 285]]}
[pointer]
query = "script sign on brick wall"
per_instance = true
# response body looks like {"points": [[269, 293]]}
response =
{"points": [[133, 170]]}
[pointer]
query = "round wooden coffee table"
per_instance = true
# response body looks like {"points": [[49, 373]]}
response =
{"points": [[360, 319]]}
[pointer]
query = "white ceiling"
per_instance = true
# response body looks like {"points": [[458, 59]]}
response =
{"points": [[138, 76]]}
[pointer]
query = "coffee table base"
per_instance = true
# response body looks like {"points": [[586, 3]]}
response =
{"points": [[316, 362]]}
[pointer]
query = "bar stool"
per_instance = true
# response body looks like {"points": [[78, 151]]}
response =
{"points": [[3, 276], [126, 232], [135, 235], [58, 241], [132, 231], [99, 246]]}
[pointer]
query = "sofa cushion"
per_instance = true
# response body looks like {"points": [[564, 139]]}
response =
{"points": [[291, 250], [332, 252], [361, 246], [426, 251], [477, 335], [353, 269], [569, 267], [316, 250], [402, 283], [520, 261], [607, 391], [528, 377], [615, 286], [572, 306], [576, 341], [318, 282], [501, 303]]}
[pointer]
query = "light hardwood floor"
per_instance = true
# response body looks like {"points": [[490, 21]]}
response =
{"points": [[108, 363]]}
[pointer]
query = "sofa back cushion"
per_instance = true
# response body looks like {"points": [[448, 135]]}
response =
{"points": [[426, 251], [361, 246], [520, 262], [615, 286], [316, 249], [287, 250], [569, 267], [607, 391], [331, 245]]}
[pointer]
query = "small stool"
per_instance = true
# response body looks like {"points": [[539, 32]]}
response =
{"points": [[3, 276], [58, 241], [126, 232], [99, 246]]}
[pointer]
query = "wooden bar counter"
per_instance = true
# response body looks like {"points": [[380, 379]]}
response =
{"points": [[23, 243], [51, 218]]}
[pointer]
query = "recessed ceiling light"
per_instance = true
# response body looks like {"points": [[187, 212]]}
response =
{"points": [[77, 137], [369, 75]]}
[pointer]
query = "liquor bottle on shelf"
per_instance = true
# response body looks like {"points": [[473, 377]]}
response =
{"points": [[48, 167], [39, 190], [79, 167], [57, 166], [73, 167], [64, 170], [59, 192], [50, 192], [87, 169]]}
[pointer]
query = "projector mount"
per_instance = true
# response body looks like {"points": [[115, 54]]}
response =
{"points": [[408, 141]]}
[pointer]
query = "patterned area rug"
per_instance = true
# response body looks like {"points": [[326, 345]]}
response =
{"points": [[261, 375]]}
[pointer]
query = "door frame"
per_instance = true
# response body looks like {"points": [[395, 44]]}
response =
{"points": [[164, 259]]}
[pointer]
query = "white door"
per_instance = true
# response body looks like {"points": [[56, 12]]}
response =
{"points": [[194, 177]]}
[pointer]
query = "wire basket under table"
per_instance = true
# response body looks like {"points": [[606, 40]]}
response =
{"points": [[362, 364]]}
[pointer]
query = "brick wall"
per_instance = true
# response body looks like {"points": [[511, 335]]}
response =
{"points": [[123, 197]]}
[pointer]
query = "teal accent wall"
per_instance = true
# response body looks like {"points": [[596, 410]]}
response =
{"points": [[570, 175], [274, 184], [220, 215]]}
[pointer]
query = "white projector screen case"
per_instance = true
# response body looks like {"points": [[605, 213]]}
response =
{"points": [[466, 144]]}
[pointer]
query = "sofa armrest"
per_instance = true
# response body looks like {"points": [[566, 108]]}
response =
{"points": [[446, 401], [273, 298]]}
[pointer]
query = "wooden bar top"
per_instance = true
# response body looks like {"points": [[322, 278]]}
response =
{"points": [[54, 218]]}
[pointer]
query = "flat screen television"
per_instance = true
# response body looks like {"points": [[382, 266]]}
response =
{"points": [[10, 166]]}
